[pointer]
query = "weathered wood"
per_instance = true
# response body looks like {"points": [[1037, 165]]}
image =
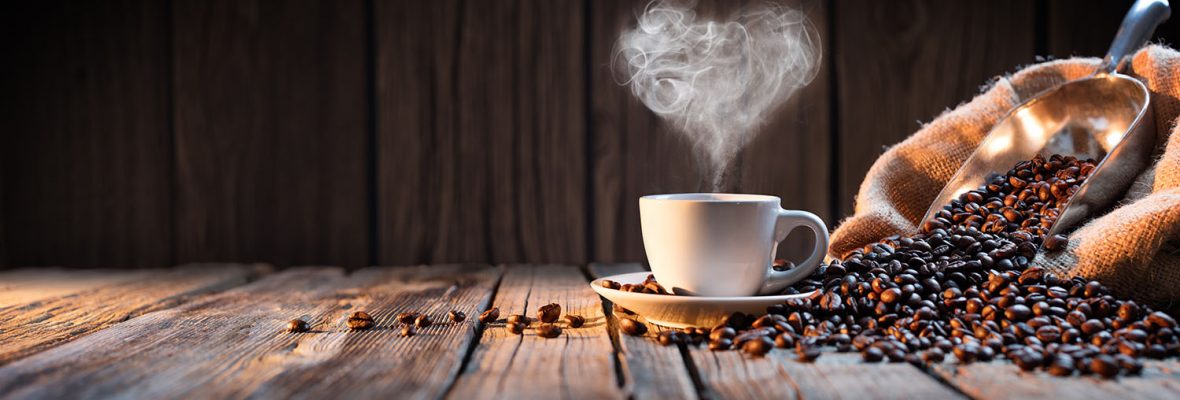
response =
{"points": [[650, 371], [67, 309], [734, 375], [270, 131], [899, 62], [481, 137], [636, 154], [85, 148], [1003, 380], [578, 364], [232, 345]]}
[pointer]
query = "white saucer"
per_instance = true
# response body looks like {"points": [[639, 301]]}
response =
{"points": [[683, 311]]}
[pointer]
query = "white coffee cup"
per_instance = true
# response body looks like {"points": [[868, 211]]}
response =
{"points": [[718, 244]]}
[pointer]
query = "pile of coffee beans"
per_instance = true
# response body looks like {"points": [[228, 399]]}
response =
{"points": [[964, 287], [649, 286]]}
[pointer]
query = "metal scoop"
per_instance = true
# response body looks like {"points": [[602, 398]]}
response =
{"points": [[1105, 116]]}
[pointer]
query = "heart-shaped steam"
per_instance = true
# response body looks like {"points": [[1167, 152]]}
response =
{"points": [[717, 81]]}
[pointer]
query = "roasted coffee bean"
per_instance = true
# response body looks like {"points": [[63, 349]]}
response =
{"points": [[722, 333], [515, 328], [575, 321], [360, 320], [1061, 365], [609, 284], [422, 321], [406, 318], [490, 316], [720, 344], [807, 353], [549, 313], [872, 354], [518, 319], [632, 327], [408, 331], [456, 316], [784, 341], [297, 326], [758, 347], [1104, 365], [549, 331], [1056, 242]]}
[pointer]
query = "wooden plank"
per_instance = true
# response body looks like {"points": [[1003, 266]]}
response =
{"points": [[70, 311], [1085, 28], [733, 375], [232, 345], [578, 364], [1003, 380], [899, 62], [636, 154], [271, 131], [481, 131], [85, 156], [650, 371]]}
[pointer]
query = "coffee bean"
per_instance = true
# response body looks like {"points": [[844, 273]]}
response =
{"points": [[1062, 365], [891, 295], [549, 313], [609, 284], [1056, 242], [1104, 365], [872, 354], [406, 318], [784, 341], [456, 316], [720, 344], [515, 328], [807, 353], [422, 321], [758, 347], [518, 319], [632, 327], [549, 331], [297, 326], [722, 333], [490, 316], [1018, 312], [360, 320], [575, 321], [408, 331]]}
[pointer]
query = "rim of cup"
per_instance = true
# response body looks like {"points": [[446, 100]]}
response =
{"points": [[711, 197]]}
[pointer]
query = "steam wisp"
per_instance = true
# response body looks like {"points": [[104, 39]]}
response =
{"points": [[717, 81]]}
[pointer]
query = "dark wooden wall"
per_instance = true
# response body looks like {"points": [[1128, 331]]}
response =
{"points": [[353, 132]]}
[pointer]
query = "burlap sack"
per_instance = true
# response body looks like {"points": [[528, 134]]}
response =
{"points": [[1128, 249]]}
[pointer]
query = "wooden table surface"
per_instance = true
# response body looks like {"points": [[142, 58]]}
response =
{"points": [[215, 331]]}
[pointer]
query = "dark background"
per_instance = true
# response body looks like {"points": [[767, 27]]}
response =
{"points": [[149, 133]]}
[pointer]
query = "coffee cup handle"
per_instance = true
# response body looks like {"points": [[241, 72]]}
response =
{"points": [[787, 221]]}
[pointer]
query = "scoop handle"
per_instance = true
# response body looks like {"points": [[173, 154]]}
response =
{"points": [[1138, 26]]}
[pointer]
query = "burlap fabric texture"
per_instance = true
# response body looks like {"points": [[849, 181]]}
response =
{"points": [[1132, 248]]}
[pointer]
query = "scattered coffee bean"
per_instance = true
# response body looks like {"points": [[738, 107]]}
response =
{"points": [[360, 320], [515, 328], [807, 353], [575, 321], [408, 331], [872, 354], [1104, 365], [490, 316], [549, 331], [406, 318], [549, 313], [758, 347], [632, 327], [720, 344], [297, 326], [422, 321], [456, 316], [518, 319]]}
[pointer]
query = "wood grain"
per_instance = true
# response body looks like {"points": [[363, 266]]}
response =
{"points": [[481, 132], [270, 131], [636, 153], [901, 62], [650, 371], [578, 364], [85, 150], [734, 375], [1003, 380], [67, 312], [232, 345]]}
